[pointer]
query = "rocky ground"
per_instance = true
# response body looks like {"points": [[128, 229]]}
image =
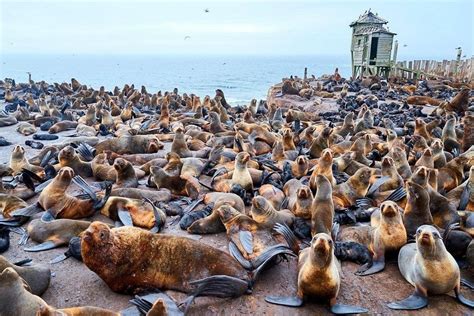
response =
{"points": [[73, 284]]}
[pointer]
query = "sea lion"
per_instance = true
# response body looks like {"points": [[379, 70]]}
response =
{"points": [[171, 262], [389, 170], [26, 129], [324, 167], [54, 234], [69, 158], [37, 276], [130, 144], [62, 126], [126, 177], [388, 234], [267, 216], [273, 195], [156, 196], [300, 198], [299, 167], [430, 268], [15, 296], [141, 213], [468, 134], [322, 213], [177, 184], [10, 203], [18, 162], [55, 200], [417, 210], [317, 262], [345, 194]]}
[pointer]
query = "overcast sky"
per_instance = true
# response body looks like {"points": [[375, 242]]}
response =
{"points": [[429, 29]]}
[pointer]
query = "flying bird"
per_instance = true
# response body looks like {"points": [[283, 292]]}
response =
{"points": [[206, 10], [187, 37]]}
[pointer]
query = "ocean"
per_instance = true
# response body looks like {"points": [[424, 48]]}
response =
{"points": [[242, 78]]}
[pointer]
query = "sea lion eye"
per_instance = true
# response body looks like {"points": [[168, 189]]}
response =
{"points": [[102, 235]]}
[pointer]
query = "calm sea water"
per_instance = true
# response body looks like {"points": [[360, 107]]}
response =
{"points": [[240, 77]]}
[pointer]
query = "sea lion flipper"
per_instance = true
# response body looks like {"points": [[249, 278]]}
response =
{"points": [[340, 309], [124, 216], [108, 191], [235, 252], [50, 244], [290, 238], [27, 211], [467, 283], [86, 151], [461, 298], [48, 216], [368, 269], [59, 258], [397, 194], [246, 239], [79, 181], [464, 199], [42, 185], [414, 301], [285, 301], [377, 184]]}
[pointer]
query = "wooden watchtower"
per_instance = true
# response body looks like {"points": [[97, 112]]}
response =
{"points": [[371, 46]]}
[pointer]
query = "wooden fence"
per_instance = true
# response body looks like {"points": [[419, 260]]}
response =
{"points": [[462, 70]]}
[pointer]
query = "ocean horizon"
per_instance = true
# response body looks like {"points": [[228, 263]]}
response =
{"points": [[242, 78]]}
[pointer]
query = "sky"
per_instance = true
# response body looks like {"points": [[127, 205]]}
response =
{"points": [[425, 29]]}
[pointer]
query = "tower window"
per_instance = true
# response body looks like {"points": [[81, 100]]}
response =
{"points": [[358, 42]]}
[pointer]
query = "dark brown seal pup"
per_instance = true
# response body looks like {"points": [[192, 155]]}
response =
{"points": [[317, 262], [430, 268]]}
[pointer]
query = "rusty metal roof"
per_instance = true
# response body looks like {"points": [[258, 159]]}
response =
{"points": [[369, 18]]}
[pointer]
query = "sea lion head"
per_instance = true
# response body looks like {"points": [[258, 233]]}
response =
{"points": [[154, 145], [66, 154], [260, 205], [173, 157], [101, 159], [437, 145], [242, 158], [96, 240], [420, 176], [387, 162], [389, 209], [304, 192], [287, 132], [322, 249], [18, 152], [428, 240], [227, 213], [326, 155], [302, 160], [10, 279], [121, 164], [364, 175], [65, 174], [415, 192]]}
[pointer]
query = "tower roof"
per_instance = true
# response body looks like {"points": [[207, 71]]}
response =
{"points": [[369, 18]]}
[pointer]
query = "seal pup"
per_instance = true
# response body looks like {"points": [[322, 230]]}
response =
{"points": [[430, 268], [317, 262], [299, 198]]}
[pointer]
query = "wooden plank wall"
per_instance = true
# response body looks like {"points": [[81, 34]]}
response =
{"points": [[441, 69]]}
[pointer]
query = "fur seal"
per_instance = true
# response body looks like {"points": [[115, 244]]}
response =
{"points": [[322, 213], [69, 158], [37, 276], [171, 262], [10, 203], [417, 210], [53, 234], [317, 262], [299, 197], [430, 268], [55, 200], [15, 296], [126, 177], [388, 234], [267, 216], [18, 162]]}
